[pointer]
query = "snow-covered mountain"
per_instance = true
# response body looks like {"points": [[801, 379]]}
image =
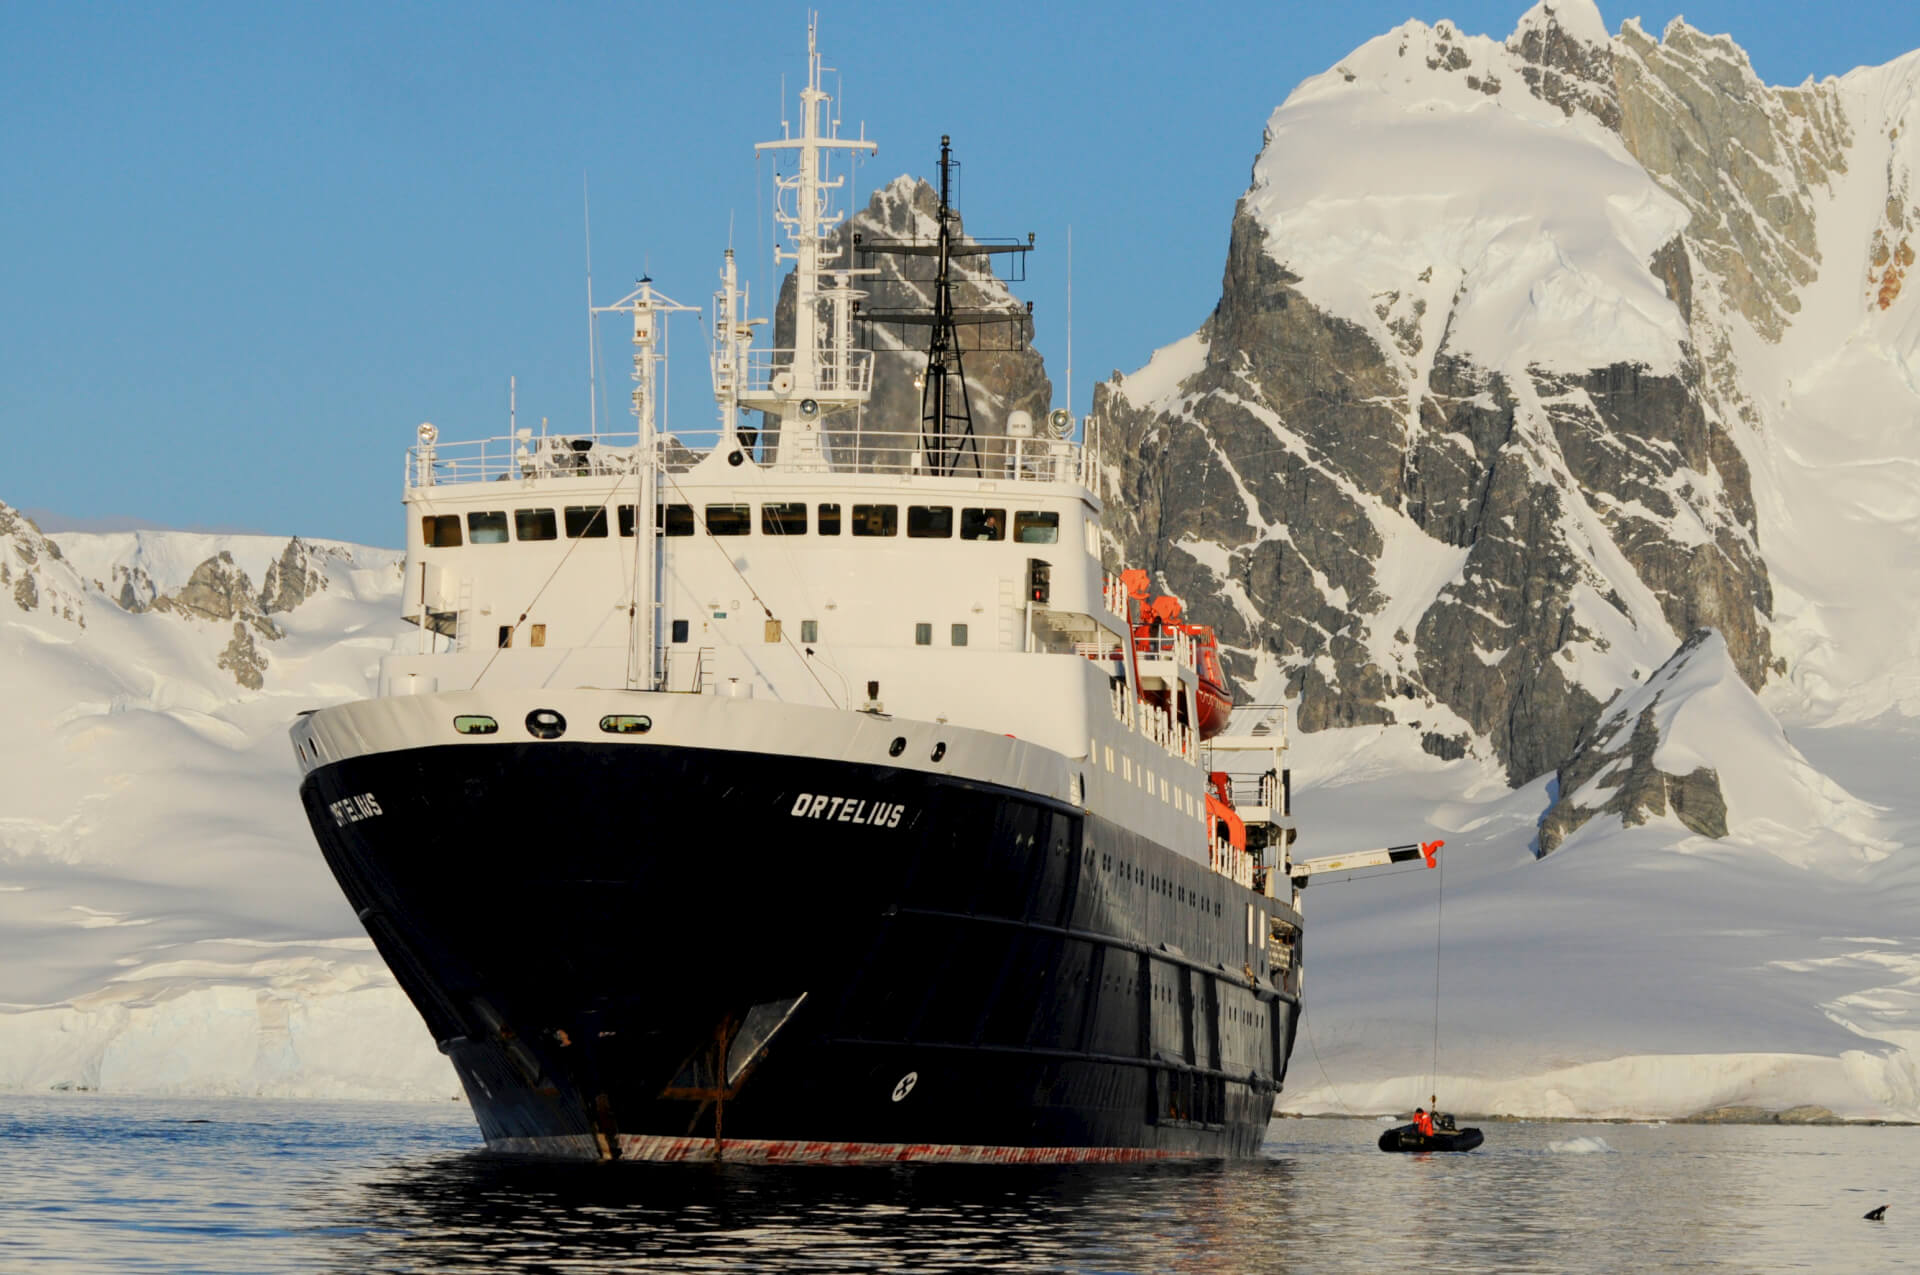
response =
{"points": [[1557, 423], [165, 922]]}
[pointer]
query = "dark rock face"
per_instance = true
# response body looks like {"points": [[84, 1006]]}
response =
{"points": [[1273, 489], [244, 659], [1292, 436], [218, 590], [291, 579], [1619, 755], [1563, 69], [1217, 473], [134, 588], [34, 573], [1004, 372], [1744, 157]]}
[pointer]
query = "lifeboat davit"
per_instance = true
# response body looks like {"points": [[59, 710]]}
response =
{"points": [[1157, 621]]}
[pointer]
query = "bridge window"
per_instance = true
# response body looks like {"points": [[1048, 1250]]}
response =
{"points": [[773, 630], [784, 520], [923, 635], [590, 522], [959, 636], [676, 520], [809, 630], [729, 520], [929, 522], [679, 630], [983, 524], [1036, 527], [440, 531], [537, 635], [535, 524], [487, 528], [876, 520], [829, 519], [626, 520]]}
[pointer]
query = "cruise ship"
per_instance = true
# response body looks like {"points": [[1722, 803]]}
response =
{"points": [[805, 789]]}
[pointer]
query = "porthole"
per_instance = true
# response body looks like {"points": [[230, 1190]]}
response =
{"points": [[544, 723], [898, 746], [626, 724], [475, 724], [939, 751]]}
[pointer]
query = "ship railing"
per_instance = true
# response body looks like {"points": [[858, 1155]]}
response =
{"points": [[1237, 865], [522, 455], [1167, 644], [846, 449], [768, 371], [1099, 652]]}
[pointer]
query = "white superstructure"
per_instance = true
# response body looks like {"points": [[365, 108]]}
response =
{"points": [[820, 561]]}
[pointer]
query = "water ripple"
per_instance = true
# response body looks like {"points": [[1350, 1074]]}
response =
{"points": [[90, 1184]]}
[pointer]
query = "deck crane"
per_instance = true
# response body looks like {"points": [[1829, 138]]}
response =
{"points": [[1252, 807], [1302, 869]]}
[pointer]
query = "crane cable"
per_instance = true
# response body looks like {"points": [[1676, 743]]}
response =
{"points": [[1439, 897]]}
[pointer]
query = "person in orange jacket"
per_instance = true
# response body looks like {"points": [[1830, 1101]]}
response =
{"points": [[1422, 1122]]}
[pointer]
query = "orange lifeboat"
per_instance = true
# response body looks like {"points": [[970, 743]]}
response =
{"points": [[1221, 815], [1152, 634]]}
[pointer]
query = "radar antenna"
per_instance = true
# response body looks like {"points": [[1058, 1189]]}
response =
{"points": [[946, 412]]}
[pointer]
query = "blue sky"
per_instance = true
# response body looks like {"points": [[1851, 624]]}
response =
{"points": [[249, 247]]}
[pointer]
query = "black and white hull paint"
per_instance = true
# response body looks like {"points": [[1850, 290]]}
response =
{"points": [[904, 958]]}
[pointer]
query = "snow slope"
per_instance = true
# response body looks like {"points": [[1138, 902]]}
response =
{"points": [[1542, 218], [166, 923], [1635, 972]]}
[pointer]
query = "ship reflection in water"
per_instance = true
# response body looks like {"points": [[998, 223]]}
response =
{"points": [[490, 1212], [98, 1185], [1681, 1198]]}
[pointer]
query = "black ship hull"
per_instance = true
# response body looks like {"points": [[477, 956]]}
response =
{"points": [[630, 951]]}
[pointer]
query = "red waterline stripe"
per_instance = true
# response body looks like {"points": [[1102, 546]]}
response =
{"points": [[654, 1147]]}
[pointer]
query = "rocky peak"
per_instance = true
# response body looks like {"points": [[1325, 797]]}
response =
{"points": [[220, 591], [1566, 58], [1614, 769], [33, 573], [1443, 458], [292, 578], [1743, 157]]}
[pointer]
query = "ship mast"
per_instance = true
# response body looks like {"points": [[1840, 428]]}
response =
{"points": [[946, 411], [649, 309], [822, 373]]}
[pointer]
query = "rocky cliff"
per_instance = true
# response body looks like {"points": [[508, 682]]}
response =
{"points": [[34, 574], [1464, 446], [196, 579]]}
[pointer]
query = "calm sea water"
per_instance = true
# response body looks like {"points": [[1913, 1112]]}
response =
{"points": [[97, 1184]]}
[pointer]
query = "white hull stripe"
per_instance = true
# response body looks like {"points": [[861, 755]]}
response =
{"points": [[661, 1148]]}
